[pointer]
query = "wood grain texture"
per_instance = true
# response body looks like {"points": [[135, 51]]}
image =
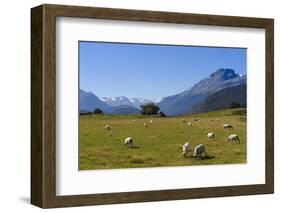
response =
{"points": [[43, 105], [36, 106], [269, 118]]}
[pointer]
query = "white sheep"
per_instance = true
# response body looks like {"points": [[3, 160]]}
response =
{"points": [[211, 135], [128, 142], [107, 127], [185, 149], [151, 121], [227, 126], [233, 137], [199, 151], [134, 121], [189, 124]]}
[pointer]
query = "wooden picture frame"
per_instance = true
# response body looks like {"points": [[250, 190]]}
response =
{"points": [[43, 105]]}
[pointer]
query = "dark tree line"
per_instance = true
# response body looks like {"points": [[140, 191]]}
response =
{"points": [[96, 111]]}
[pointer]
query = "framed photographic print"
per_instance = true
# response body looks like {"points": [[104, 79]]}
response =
{"points": [[136, 106]]}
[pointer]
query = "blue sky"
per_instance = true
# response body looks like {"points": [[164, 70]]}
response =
{"points": [[150, 71]]}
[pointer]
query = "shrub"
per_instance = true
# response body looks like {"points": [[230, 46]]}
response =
{"points": [[98, 111]]}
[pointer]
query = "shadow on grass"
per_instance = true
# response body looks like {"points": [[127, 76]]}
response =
{"points": [[133, 147], [207, 157]]}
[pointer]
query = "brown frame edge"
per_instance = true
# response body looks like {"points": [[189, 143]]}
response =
{"points": [[43, 105]]}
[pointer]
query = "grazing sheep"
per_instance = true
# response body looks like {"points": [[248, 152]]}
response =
{"points": [[134, 121], [211, 135], [128, 142], [189, 124], [199, 151], [185, 149], [145, 125], [227, 126], [233, 137], [107, 127], [151, 121], [182, 120], [195, 119]]}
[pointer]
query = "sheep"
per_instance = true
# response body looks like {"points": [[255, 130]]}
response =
{"points": [[107, 127], [233, 137], [151, 121], [227, 126], [189, 124], [199, 151], [195, 119], [182, 120], [185, 149], [134, 121], [211, 135], [144, 124], [211, 119], [128, 142]]}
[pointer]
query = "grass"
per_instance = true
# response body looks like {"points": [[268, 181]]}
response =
{"points": [[159, 144]]}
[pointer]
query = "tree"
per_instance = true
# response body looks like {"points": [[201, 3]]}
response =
{"points": [[149, 109], [234, 105], [98, 111]]}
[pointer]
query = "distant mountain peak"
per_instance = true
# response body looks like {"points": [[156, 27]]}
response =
{"points": [[183, 102], [224, 74]]}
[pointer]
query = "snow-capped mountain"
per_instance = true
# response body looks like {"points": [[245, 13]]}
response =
{"points": [[184, 103], [137, 102], [124, 101], [113, 105], [117, 101], [89, 102]]}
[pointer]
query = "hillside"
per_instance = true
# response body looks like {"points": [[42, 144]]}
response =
{"points": [[222, 99], [184, 103], [89, 101], [124, 110]]}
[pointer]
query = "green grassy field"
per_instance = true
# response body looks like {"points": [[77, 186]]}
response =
{"points": [[159, 144]]}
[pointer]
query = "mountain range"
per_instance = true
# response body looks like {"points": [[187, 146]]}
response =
{"points": [[215, 92], [113, 105], [186, 101], [122, 100]]}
